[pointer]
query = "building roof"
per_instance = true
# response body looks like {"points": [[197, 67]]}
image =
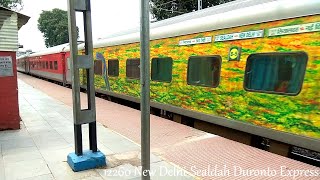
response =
{"points": [[22, 19]]}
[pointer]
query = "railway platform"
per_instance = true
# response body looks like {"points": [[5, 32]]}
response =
{"points": [[39, 149]]}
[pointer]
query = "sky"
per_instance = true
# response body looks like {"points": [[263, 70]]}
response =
{"points": [[108, 17]]}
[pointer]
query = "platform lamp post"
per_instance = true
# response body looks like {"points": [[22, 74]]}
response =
{"points": [[83, 160]]}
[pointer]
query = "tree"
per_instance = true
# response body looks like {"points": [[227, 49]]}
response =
{"points": [[163, 9], [16, 5], [54, 26]]}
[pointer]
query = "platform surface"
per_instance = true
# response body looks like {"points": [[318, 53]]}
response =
{"points": [[47, 128], [38, 151]]}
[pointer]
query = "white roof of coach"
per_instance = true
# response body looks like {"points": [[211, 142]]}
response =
{"points": [[196, 14], [51, 50], [23, 56], [232, 14]]}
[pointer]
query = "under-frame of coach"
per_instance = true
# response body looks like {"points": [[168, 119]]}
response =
{"points": [[247, 65]]}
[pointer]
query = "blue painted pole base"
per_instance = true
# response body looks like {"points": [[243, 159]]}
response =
{"points": [[89, 160]]}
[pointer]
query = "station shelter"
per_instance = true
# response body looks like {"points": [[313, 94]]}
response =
{"points": [[10, 23]]}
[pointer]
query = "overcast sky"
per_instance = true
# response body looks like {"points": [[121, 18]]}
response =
{"points": [[108, 17]]}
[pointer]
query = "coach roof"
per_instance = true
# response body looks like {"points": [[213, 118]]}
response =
{"points": [[232, 14]]}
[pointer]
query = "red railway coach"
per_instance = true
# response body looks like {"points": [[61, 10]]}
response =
{"points": [[50, 64]]}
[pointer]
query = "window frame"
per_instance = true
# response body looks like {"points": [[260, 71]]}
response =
{"points": [[274, 92], [118, 70], [219, 73], [152, 69], [55, 65], [132, 78], [51, 65], [98, 71]]}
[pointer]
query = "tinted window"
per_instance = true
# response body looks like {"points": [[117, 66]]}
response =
{"points": [[279, 73], [55, 65], [161, 69], [98, 67], [113, 67], [51, 66], [204, 70], [133, 69], [47, 65]]}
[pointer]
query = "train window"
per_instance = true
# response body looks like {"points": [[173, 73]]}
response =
{"points": [[161, 69], [47, 65], [204, 70], [113, 67], [43, 65], [98, 67], [55, 64], [133, 68], [276, 73], [51, 65]]}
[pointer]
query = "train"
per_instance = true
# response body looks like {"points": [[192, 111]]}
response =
{"points": [[248, 65]]}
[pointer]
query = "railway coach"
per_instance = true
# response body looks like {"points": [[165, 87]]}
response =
{"points": [[249, 65], [52, 63]]}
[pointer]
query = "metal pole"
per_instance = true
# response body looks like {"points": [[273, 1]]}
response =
{"points": [[199, 4], [145, 88], [84, 62], [75, 74]]}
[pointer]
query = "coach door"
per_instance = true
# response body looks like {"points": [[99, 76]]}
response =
{"points": [[27, 66], [68, 71]]}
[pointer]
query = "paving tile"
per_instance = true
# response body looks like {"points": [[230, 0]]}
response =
{"points": [[21, 154], [35, 123], [46, 136], [105, 150], [31, 116], [42, 177], [13, 134], [63, 130], [53, 144], [17, 143], [62, 171], [56, 155], [121, 146], [51, 113], [2, 174], [26, 169], [107, 137], [39, 129], [59, 123]]}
